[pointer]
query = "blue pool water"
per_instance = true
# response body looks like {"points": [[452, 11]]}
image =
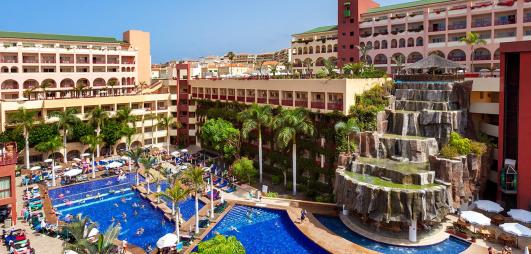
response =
{"points": [[264, 231], [83, 198], [450, 246], [102, 211]]}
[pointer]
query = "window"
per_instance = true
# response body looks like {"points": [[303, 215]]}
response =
{"points": [[351, 20], [351, 46], [351, 33], [5, 187]]}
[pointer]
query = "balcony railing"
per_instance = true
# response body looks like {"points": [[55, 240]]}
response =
{"points": [[500, 22], [301, 103], [241, 98], [249, 99], [261, 100], [194, 95], [231, 97], [481, 23], [318, 104], [8, 60], [287, 102], [456, 26], [457, 58], [215, 97], [335, 106], [207, 96], [223, 97], [437, 29], [274, 101], [527, 18], [481, 57], [8, 153], [201, 95]]}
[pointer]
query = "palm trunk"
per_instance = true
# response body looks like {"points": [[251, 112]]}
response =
{"points": [[168, 139], [197, 212], [98, 130], [143, 132], [348, 143], [53, 171], [211, 196], [93, 166], [177, 225], [64, 146], [26, 148], [260, 152], [147, 184], [137, 178], [294, 158], [284, 173]]}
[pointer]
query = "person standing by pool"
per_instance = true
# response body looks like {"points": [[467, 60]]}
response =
{"points": [[303, 215]]}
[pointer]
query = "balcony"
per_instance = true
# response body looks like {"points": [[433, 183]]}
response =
{"points": [[457, 58], [8, 60], [437, 29], [201, 95], [457, 26], [300, 103], [215, 97], [241, 98], [481, 23], [194, 95], [505, 20], [9, 155], [527, 18], [492, 108], [249, 99], [274, 101], [335, 106], [183, 107], [318, 104], [288, 102], [223, 97], [261, 100], [231, 97], [207, 96], [489, 129]]}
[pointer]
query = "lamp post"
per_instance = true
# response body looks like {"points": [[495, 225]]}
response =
{"points": [[211, 194]]}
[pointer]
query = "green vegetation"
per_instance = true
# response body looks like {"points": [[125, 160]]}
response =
{"points": [[243, 168], [368, 104], [404, 167], [384, 183], [271, 194], [458, 146], [344, 130], [221, 245], [221, 136]]}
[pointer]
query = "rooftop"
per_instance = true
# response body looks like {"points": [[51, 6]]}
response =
{"points": [[405, 5], [320, 29], [57, 37]]}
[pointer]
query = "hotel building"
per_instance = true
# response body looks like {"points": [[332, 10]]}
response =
{"points": [[313, 46], [44, 72], [8, 164], [416, 29]]}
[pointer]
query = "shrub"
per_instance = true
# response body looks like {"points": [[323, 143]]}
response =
{"points": [[325, 198], [243, 168], [478, 148], [449, 152], [276, 180], [271, 194], [462, 144]]}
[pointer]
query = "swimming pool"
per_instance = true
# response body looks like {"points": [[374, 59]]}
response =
{"points": [[450, 246], [83, 198], [263, 230]]}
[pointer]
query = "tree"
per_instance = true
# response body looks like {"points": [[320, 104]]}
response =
{"points": [[125, 115], [290, 123], [230, 56], [330, 68], [128, 133], [260, 65], [66, 121], [80, 87], [255, 118], [273, 69], [93, 142], [112, 83], [221, 245], [24, 120], [364, 50], [221, 136], [472, 39], [97, 117], [104, 243], [44, 86], [135, 155], [347, 128], [243, 168], [288, 66], [111, 132], [308, 63], [148, 162], [399, 61], [50, 146], [194, 178], [353, 69], [175, 194], [166, 122]]}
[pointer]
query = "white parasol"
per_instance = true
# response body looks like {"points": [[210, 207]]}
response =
{"points": [[184, 150], [77, 159], [175, 153], [520, 215], [488, 206], [516, 229], [475, 218], [114, 164], [73, 172], [35, 168], [48, 160], [168, 240], [85, 154]]}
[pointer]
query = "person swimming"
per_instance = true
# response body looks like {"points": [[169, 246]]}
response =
{"points": [[143, 206], [123, 200], [163, 222], [233, 228], [135, 213], [124, 216], [116, 205], [139, 231], [134, 205], [113, 219], [108, 182], [149, 248]]}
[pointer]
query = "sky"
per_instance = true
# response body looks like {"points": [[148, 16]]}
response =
{"points": [[180, 29]]}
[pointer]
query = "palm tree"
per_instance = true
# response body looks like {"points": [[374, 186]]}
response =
{"points": [[288, 66], [93, 142], [126, 117], [230, 56], [166, 122], [260, 65], [290, 123], [80, 227], [45, 85], [97, 118], [135, 155], [128, 133], [80, 86], [221, 244], [399, 61], [472, 39], [112, 83], [308, 63], [347, 128], [27, 93], [364, 50], [273, 69], [194, 177], [104, 243], [24, 120], [148, 162], [330, 68], [66, 121], [175, 194], [53, 144], [254, 118]]}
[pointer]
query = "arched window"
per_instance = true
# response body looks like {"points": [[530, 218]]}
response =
{"points": [[310, 50], [497, 54], [323, 49], [66, 83], [5, 70], [319, 61], [14, 69], [335, 47], [482, 54], [457, 55], [83, 82], [414, 57], [333, 60], [377, 45], [369, 45], [410, 42], [329, 49], [402, 43], [30, 84], [305, 50], [384, 44], [380, 59], [299, 51], [297, 63], [367, 59], [49, 83], [317, 50], [393, 44], [362, 44], [99, 82], [398, 56], [420, 42], [9, 84]]}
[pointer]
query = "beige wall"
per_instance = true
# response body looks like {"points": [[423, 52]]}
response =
{"points": [[140, 40]]}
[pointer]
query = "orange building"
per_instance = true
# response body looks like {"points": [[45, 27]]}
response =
{"points": [[8, 164]]}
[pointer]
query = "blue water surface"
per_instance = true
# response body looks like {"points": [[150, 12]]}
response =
{"points": [[450, 246], [263, 230]]}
